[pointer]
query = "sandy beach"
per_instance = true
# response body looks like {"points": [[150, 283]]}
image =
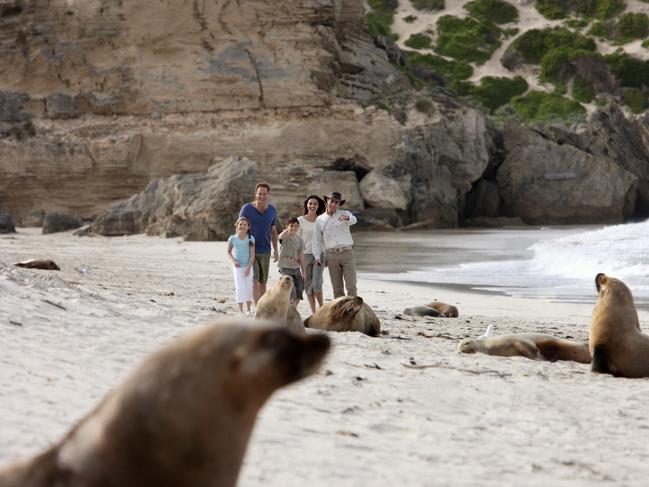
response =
{"points": [[405, 408]]}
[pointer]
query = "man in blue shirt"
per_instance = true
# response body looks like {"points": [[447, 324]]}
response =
{"points": [[263, 220]]}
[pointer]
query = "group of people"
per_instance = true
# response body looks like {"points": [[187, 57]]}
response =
{"points": [[317, 239]]}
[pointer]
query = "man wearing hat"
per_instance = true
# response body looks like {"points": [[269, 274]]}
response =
{"points": [[332, 234]]}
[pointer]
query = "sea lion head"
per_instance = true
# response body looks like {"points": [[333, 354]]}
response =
{"points": [[273, 356], [612, 288], [467, 346], [285, 283], [199, 394], [346, 308]]}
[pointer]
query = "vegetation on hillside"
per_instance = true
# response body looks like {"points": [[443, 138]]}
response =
{"points": [[419, 41], [380, 18], [496, 11], [628, 27], [539, 106], [428, 4], [494, 92], [566, 56], [467, 39], [560, 9]]}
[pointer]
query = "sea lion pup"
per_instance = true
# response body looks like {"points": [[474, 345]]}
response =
{"points": [[346, 313], [535, 346], [421, 311], [273, 305], [43, 264], [184, 417], [445, 310], [617, 345]]}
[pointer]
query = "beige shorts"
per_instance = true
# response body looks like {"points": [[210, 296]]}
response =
{"points": [[260, 268]]}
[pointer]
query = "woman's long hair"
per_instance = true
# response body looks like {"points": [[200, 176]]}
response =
{"points": [[321, 204]]}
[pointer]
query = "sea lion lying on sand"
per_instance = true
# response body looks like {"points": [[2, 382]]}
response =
{"points": [[43, 264], [617, 345], [184, 417], [535, 346], [445, 310], [422, 311], [346, 313]]}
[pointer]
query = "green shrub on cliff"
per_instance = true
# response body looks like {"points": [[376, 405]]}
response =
{"points": [[496, 11], [631, 26], [428, 4], [467, 39], [582, 90], [419, 41], [534, 44], [493, 92], [556, 60], [380, 18], [629, 71], [607, 9], [635, 99], [560, 9], [542, 107], [552, 9], [450, 71]]}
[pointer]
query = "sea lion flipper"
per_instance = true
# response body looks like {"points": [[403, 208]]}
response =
{"points": [[600, 360], [527, 349]]}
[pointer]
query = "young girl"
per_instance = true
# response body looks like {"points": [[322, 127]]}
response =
{"points": [[241, 251]]}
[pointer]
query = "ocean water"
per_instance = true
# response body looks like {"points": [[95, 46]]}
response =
{"points": [[550, 263]]}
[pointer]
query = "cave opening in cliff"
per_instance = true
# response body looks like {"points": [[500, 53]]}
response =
{"points": [[357, 164]]}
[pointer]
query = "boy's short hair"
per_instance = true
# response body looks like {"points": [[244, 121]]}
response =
{"points": [[292, 220]]}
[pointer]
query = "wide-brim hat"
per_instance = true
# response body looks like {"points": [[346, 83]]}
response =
{"points": [[336, 196]]}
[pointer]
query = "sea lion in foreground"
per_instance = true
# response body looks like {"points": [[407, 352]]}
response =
{"points": [[422, 311], [535, 346], [184, 417], [43, 264], [273, 305], [346, 313], [617, 345], [445, 310]]}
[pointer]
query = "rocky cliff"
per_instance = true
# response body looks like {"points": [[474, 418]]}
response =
{"points": [[100, 97]]}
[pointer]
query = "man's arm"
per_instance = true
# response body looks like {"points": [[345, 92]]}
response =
{"points": [[273, 241], [351, 219]]}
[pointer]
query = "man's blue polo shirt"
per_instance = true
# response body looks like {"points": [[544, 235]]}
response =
{"points": [[260, 225]]}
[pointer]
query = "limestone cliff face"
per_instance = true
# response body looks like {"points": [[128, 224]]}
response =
{"points": [[103, 96]]}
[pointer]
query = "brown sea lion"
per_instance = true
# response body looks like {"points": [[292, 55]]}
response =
{"points": [[617, 345], [294, 320], [43, 264], [446, 310], [346, 313], [535, 346], [273, 305], [421, 311], [184, 417]]}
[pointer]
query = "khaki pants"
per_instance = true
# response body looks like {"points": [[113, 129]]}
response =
{"points": [[341, 266]]}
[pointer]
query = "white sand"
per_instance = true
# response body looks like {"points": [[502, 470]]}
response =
{"points": [[67, 337]]}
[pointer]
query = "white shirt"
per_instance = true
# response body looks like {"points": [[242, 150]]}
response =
{"points": [[331, 232], [306, 232]]}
